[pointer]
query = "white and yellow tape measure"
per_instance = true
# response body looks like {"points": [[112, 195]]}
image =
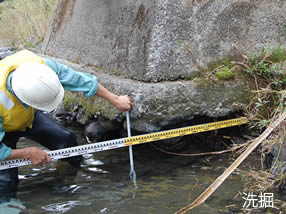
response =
{"points": [[122, 142]]}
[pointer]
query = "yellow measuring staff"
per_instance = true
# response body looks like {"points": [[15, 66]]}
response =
{"points": [[183, 131]]}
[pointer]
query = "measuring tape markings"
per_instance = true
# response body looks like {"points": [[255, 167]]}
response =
{"points": [[68, 152], [122, 142], [183, 131]]}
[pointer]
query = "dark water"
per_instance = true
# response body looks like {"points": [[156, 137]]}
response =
{"points": [[165, 183]]}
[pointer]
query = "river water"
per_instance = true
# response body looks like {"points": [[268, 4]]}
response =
{"points": [[166, 183]]}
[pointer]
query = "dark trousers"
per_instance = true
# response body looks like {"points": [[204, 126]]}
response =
{"points": [[49, 134]]}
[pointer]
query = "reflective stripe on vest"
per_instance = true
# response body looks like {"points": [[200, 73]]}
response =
{"points": [[6, 101]]}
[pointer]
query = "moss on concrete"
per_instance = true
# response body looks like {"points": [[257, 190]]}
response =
{"points": [[91, 106], [224, 73], [225, 62], [278, 54]]}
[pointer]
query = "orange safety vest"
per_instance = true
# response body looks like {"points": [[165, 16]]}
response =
{"points": [[15, 117]]}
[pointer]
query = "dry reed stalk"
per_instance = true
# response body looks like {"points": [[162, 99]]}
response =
{"points": [[208, 192]]}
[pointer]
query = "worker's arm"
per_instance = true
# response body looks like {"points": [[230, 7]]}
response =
{"points": [[88, 84], [73, 80], [34, 154], [122, 103], [5, 151]]}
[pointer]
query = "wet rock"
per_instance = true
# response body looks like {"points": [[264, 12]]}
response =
{"points": [[81, 117], [101, 130], [66, 115], [171, 145]]}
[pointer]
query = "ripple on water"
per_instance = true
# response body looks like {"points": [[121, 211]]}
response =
{"points": [[98, 170], [24, 177], [166, 184], [70, 188], [63, 207], [92, 162]]}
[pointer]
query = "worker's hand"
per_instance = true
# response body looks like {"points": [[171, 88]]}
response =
{"points": [[123, 103], [37, 156]]}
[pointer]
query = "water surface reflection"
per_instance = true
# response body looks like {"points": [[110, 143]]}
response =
{"points": [[102, 185]]}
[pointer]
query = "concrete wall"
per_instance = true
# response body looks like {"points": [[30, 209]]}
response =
{"points": [[160, 40], [131, 44]]}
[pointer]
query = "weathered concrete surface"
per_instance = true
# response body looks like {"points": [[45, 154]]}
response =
{"points": [[163, 39], [132, 44], [157, 105]]}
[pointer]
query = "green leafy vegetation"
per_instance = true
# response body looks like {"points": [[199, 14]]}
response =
{"points": [[265, 73]]}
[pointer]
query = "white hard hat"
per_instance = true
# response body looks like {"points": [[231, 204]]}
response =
{"points": [[38, 86]]}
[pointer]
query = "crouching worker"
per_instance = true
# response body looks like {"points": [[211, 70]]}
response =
{"points": [[29, 85]]}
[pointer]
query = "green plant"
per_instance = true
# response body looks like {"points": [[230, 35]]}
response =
{"points": [[246, 180], [278, 54], [266, 75], [224, 73], [225, 62]]}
